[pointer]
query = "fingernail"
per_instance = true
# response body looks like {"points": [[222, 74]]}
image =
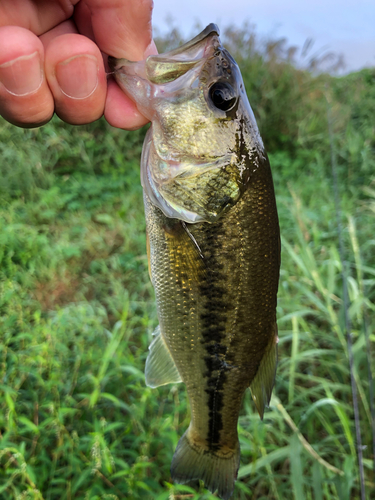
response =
{"points": [[78, 76], [23, 75]]}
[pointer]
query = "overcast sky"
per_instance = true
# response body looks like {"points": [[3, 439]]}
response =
{"points": [[341, 26]]}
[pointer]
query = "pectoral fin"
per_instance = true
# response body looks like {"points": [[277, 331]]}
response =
{"points": [[160, 367], [185, 250], [262, 385]]}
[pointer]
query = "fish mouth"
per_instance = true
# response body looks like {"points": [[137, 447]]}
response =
{"points": [[184, 50], [187, 49], [184, 58], [140, 79]]}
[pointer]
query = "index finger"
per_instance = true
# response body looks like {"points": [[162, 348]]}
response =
{"points": [[120, 29]]}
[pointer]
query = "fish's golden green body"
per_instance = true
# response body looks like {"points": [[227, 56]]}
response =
{"points": [[217, 305], [214, 251]]}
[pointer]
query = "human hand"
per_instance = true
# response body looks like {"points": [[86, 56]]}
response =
{"points": [[51, 59]]}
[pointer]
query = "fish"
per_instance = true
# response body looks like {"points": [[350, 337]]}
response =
{"points": [[213, 244]]}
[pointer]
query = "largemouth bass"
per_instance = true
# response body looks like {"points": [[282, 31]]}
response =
{"points": [[213, 246]]}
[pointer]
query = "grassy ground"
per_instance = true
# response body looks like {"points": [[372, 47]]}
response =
{"points": [[77, 309]]}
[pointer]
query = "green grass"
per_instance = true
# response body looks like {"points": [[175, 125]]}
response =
{"points": [[77, 308]]}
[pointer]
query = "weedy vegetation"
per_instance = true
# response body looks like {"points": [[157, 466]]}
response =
{"points": [[77, 308]]}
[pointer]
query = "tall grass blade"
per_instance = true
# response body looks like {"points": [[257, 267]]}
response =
{"points": [[346, 304], [296, 468], [293, 356], [359, 268], [317, 481], [276, 402]]}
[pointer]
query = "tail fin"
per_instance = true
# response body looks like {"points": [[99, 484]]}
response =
{"points": [[218, 473]]}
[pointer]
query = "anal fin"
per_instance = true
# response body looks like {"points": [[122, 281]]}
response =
{"points": [[160, 368], [262, 384]]}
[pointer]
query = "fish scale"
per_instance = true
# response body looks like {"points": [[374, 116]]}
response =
{"points": [[213, 246]]}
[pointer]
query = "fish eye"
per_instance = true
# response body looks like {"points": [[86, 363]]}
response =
{"points": [[223, 96]]}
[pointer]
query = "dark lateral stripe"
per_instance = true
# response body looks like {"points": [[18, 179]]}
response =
{"points": [[213, 319]]}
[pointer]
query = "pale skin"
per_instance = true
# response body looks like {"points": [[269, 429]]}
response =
{"points": [[53, 59]]}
